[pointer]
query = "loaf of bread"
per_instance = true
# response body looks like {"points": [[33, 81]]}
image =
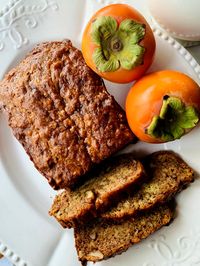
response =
{"points": [[62, 114]]}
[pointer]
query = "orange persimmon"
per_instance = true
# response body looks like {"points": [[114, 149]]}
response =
{"points": [[163, 106], [118, 43]]}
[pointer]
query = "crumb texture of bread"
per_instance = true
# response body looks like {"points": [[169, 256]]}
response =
{"points": [[168, 175], [112, 177], [61, 112], [102, 239]]}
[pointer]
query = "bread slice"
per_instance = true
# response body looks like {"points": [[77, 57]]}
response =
{"points": [[169, 174], [113, 177], [99, 240]]}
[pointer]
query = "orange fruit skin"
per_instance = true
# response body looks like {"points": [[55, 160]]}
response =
{"points": [[145, 98], [120, 12]]}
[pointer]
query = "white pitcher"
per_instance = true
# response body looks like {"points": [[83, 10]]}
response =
{"points": [[181, 18]]}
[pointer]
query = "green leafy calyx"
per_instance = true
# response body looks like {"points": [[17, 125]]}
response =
{"points": [[117, 45], [174, 120]]}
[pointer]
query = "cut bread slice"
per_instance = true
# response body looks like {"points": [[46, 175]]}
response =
{"points": [[113, 177], [100, 239], [168, 173]]}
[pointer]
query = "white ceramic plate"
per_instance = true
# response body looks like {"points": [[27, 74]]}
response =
{"points": [[28, 236]]}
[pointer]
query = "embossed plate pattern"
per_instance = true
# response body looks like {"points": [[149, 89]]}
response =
{"points": [[28, 236]]}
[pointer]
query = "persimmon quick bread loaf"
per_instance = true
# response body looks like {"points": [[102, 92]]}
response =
{"points": [[61, 112], [113, 177], [100, 239], [168, 175]]}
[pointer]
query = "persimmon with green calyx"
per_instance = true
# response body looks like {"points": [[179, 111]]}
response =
{"points": [[118, 44], [163, 106]]}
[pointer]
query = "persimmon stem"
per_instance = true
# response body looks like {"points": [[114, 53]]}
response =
{"points": [[117, 45], [174, 120]]}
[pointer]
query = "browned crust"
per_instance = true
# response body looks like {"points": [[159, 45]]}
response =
{"points": [[62, 114]]}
